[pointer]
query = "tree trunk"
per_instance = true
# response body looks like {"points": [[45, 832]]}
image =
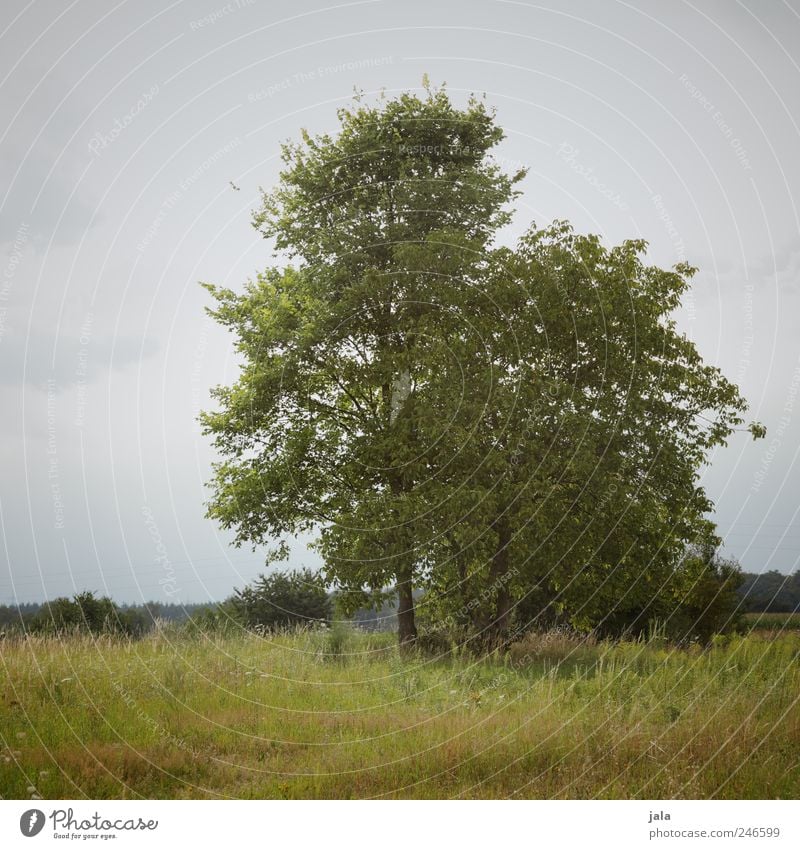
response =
{"points": [[407, 627], [395, 396]]}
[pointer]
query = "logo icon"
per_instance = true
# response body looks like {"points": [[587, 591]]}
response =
{"points": [[31, 822]]}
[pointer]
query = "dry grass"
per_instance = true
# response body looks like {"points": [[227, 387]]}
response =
{"points": [[242, 716], [556, 646]]}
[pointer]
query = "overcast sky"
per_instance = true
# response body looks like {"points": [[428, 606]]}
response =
{"points": [[123, 126]]}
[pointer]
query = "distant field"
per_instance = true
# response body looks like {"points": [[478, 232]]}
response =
{"points": [[772, 621], [342, 715]]}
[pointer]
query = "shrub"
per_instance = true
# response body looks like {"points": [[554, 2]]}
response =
{"points": [[84, 612], [283, 599], [708, 602]]}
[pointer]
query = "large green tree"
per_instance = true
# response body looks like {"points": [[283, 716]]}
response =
{"points": [[388, 225], [580, 486], [488, 424]]}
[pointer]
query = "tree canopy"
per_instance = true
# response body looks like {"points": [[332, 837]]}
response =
{"points": [[491, 425]]}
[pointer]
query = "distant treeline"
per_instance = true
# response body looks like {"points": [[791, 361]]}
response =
{"points": [[85, 610], [276, 601], [769, 592]]}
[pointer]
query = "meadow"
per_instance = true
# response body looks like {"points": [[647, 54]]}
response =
{"points": [[341, 714], [771, 621]]}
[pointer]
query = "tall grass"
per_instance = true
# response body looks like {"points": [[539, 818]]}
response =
{"points": [[771, 621], [195, 715]]}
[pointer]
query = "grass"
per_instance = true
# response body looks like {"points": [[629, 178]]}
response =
{"points": [[771, 621], [309, 715]]}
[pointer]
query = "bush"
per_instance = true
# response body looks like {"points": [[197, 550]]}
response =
{"points": [[708, 602], [282, 600], [222, 618], [84, 612]]}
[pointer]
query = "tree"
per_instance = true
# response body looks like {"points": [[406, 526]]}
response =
{"points": [[485, 423], [583, 486], [389, 223], [771, 592], [706, 596], [283, 599], [84, 612]]}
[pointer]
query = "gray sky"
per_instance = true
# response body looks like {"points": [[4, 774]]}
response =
{"points": [[123, 125]]}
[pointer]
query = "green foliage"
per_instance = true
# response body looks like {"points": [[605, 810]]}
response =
{"points": [[578, 491], [84, 612], [283, 600], [345, 354], [708, 602], [499, 427], [771, 592], [211, 619]]}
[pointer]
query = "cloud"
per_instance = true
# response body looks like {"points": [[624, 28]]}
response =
{"points": [[68, 360], [44, 162]]}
